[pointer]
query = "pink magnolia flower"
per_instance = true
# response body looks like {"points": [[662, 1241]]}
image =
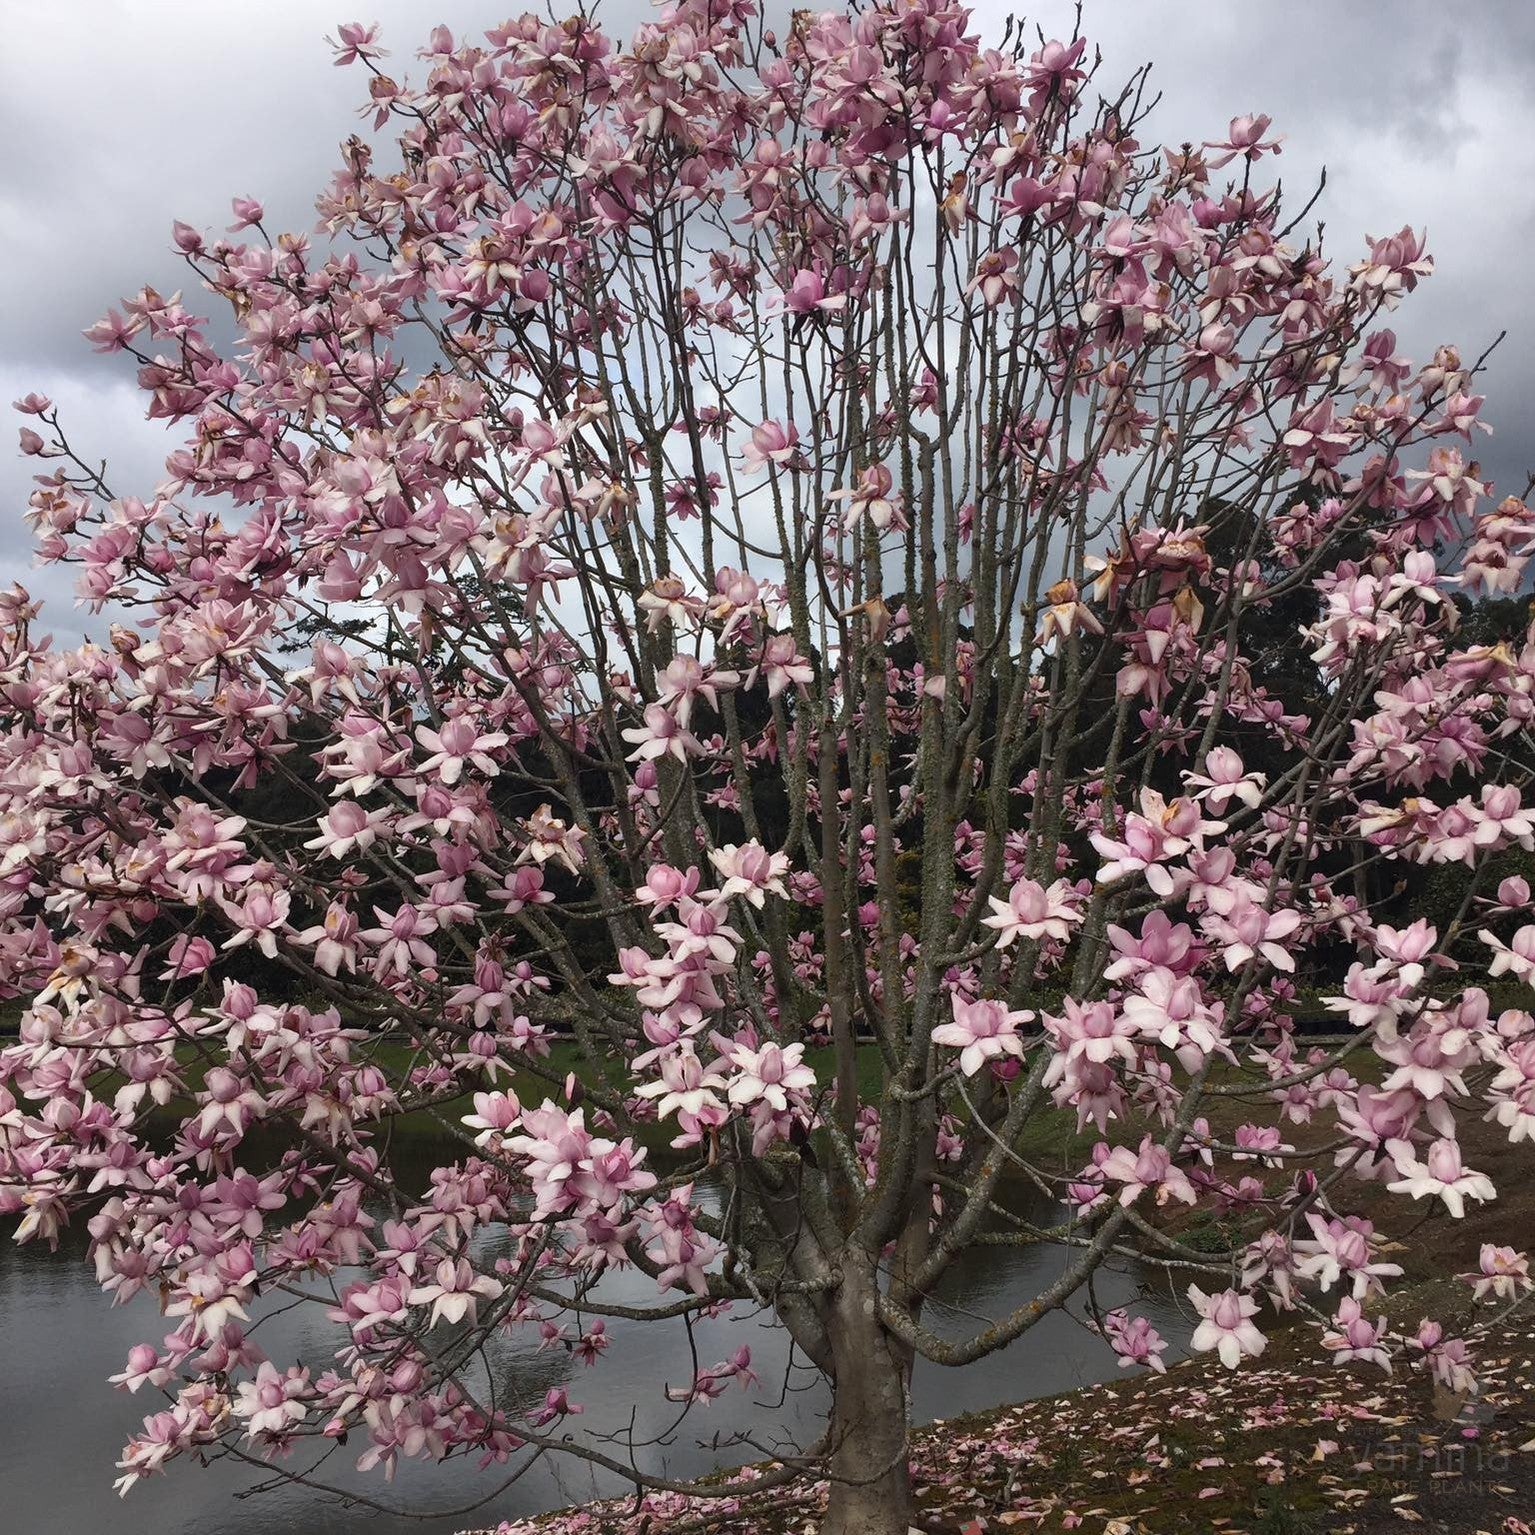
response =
{"points": [[782, 666], [1338, 1247], [871, 500], [548, 837], [346, 828], [259, 916], [1033, 911], [1441, 1174], [772, 443], [1096, 1032], [662, 735], [664, 886], [982, 1031], [686, 1084], [496, 1115], [807, 294], [1448, 1359], [273, 1403], [667, 600], [1504, 1273], [1148, 1167], [1226, 1325], [1516, 958], [750, 871], [1248, 932], [1354, 1337], [995, 278], [774, 1074], [1135, 1340], [1395, 264], [455, 1293], [1224, 779], [334, 940], [1244, 140], [459, 744]]}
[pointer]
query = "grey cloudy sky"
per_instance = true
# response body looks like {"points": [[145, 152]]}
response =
{"points": [[119, 115]]}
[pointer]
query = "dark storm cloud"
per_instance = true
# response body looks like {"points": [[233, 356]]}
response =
{"points": [[120, 115]]}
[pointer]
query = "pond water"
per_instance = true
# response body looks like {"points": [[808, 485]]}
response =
{"points": [[62, 1426]]}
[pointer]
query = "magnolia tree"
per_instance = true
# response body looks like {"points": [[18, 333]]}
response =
{"points": [[821, 576]]}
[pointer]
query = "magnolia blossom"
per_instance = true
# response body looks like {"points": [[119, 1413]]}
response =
{"points": [[773, 1075], [272, 1404], [1338, 1247], [1355, 1337], [1224, 779], [457, 745], [1135, 1340], [347, 828], [1504, 1274], [1516, 958], [982, 1031], [1033, 911], [1440, 1174], [1149, 1167], [871, 501], [1226, 1326], [750, 871], [686, 1084], [549, 837], [662, 735]]}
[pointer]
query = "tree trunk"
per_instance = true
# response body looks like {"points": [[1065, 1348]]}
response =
{"points": [[870, 1469]]}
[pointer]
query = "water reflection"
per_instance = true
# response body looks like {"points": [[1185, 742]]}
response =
{"points": [[62, 1426]]}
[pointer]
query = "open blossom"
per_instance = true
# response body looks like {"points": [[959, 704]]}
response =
{"points": [[774, 1075], [1342, 1247], [1033, 911], [347, 828], [1353, 1336], [686, 1085], [750, 871], [1247, 932], [982, 1031], [455, 1292], [258, 917], [1096, 1032], [1448, 1359], [807, 295], [1440, 1174], [1160, 831], [1147, 1167], [772, 443], [1065, 613], [1244, 140], [781, 665], [549, 837], [457, 745], [334, 940], [871, 501], [273, 1403], [1504, 1274], [495, 1116], [668, 601], [1135, 1340], [1225, 779], [996, 277], [1226, 1325], [661, 735], [664, 885], [1515, 958]]}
